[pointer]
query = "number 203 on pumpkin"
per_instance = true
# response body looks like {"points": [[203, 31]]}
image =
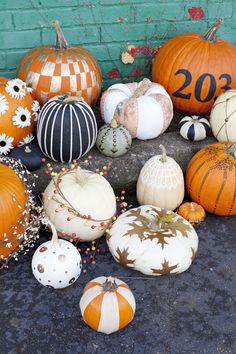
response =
{"points": [[199, 84]]}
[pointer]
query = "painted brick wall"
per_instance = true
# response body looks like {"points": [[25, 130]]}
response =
{"points": [[106, 28]]}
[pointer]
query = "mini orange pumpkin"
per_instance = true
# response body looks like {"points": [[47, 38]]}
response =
{"points": [[18, 112], [192, 212], [211, 178], [195, 68], [55, 69]]}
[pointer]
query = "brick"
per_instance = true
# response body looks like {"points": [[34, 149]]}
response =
{"points": [[2, 60], [14, 57], [223, 9], [77, 36], [20, 39], [5, 20], [8, 73], [105, 52], [17, 4], [72, 16], [159, 12]]}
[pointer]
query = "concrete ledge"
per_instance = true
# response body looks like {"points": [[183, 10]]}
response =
{"points": [[125, 170]]}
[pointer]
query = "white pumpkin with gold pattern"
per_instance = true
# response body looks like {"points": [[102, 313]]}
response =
{"points": [[153, 241], [161, 182]]}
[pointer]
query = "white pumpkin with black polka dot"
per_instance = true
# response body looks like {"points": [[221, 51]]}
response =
{"points": [[56, 263]]}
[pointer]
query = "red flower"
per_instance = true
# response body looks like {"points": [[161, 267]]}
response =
{"points": [[146, 50], [137, 71], [120, 19], [134, 51], [113, 73], [196, 13]]}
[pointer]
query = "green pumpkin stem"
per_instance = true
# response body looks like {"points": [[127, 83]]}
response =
{"points": [[61, 42], [163, 150], [156, 223], [114, 124], [71, 99], [210, 34], [143, 87]]}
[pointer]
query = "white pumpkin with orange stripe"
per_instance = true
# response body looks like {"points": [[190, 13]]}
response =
{"points": [[144, 108], [107, 304]]}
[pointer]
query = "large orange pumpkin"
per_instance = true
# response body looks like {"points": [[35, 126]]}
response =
{"points": [[13, 200], [211, 178], [195, 68], [52, 70], [18, 112]]}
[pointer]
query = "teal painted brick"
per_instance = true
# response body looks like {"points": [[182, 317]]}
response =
{"points": [[5, 20], [223, 9], [123, 32], [63, 3], [159, 12], [8, 73], [69, 17], [2, 60], [14, 57], [20, 39], [106, 52], [18, 4], [78, 36]]}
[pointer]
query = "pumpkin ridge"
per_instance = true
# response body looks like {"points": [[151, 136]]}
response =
{"points": [[234, 194], [221, 190]]}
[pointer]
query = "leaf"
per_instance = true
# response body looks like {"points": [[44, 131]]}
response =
{"points": [[123, 257], [166, 269], [160, 235], [179, 225], [193, 254]]}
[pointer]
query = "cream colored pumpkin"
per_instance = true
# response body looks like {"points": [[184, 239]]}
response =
{"points": [[153, 241], [223, 117], [144, 108], [80, 204], [161, 182]]}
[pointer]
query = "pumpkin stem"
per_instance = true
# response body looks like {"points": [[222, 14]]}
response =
{"points": [[142, 88], [55, 241], [210, 34], [156, 223], [114, 124], [80, 176], [71, 99], [232, 150], [61, 42], [110, 285], [27, 149], [192, 207], [163, 149]]}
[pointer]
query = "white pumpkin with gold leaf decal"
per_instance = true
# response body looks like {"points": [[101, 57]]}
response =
{"points": [[161, 182], [153, 241]]}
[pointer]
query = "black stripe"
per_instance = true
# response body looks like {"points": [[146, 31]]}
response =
{"points": [[191, 133]]}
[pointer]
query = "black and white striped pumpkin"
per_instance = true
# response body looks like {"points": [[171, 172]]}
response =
{"points": [[194, 128], [67, 128]]}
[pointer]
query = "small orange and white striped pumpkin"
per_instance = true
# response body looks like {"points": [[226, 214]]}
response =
{"points": [[107, 304]]}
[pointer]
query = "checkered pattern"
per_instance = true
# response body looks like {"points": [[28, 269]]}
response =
{"points": [[51, 72]]}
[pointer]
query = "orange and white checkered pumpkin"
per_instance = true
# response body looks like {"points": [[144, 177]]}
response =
{"points": [[18, 113], [107, 304], [53, 70]]}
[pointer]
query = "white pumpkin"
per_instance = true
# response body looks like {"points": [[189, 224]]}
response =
{"points": [[56, 263], [223, 117], [161, 182], [153, 241], [144, 108], [107, 304], [194, 128], [80, 204]]}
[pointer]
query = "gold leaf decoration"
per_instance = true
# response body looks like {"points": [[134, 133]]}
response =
{"points": [[126, 58], [123, 257], [166, 268], [193, 254]]}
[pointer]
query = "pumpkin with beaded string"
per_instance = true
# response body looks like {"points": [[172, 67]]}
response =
{"points": [[55, 69], [211, 178]]}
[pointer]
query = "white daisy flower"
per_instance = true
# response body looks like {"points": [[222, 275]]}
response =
{"points": [[5, 144], [22, 117], [26, 140], [16, 88], [35, 108], [3, 104]]}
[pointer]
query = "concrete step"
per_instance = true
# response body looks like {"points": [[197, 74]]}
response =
{"points": [[125, 170]]}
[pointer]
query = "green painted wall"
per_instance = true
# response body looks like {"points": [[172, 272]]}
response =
{"points": [[106, 28]]}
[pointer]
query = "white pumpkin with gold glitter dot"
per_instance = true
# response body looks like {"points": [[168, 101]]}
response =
{"points": [[56, 263]]}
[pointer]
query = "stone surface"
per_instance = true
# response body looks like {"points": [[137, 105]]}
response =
{"points": [[189, 313], [125, 170]]}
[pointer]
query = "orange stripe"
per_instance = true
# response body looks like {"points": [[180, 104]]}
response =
{"points": [[91, 284], [125, 311], [92, 313], [124, 286]]}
